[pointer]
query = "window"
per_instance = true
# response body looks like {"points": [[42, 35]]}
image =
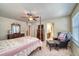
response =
{"points": [[75, 27], [15, 28]]}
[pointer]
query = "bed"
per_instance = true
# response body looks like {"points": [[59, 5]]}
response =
{"points": [[22, 46]]}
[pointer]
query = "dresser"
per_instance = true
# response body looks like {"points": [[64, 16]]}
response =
{"points": [[15, 35]]}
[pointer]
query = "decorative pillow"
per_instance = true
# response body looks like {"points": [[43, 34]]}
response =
{"points": [[62, 36]]}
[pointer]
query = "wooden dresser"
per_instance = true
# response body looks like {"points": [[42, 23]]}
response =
{"points": [[15, 35]]}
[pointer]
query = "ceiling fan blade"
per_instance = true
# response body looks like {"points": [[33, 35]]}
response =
{"points": [[35, 16], [34, 19]]}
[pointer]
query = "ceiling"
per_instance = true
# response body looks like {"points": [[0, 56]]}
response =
{"points": [[45, 10]]}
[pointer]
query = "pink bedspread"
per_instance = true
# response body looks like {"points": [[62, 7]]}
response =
{"points": [[28, 47]]}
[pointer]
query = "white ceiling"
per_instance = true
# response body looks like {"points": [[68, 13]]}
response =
{"points": [[45, 10]]}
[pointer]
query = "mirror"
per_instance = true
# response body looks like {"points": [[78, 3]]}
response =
{"points": [[15, 28]]}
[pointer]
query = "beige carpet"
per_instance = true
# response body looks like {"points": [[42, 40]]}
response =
{"points": [[46, 52]]}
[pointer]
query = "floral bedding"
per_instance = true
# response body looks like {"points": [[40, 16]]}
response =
{"points": [[19, 46]]}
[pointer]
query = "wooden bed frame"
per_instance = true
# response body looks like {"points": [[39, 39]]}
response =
{"points": [[35, 50]]}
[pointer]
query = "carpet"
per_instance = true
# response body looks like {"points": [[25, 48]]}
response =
{"points": [[45, 51]]}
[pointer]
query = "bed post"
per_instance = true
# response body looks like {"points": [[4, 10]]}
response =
{"points": [[40, 48], [40, 32]]}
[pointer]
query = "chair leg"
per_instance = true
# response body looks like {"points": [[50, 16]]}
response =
{"points": [[57, 48]]}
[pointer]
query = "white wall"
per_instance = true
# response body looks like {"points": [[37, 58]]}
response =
{"points": [[60, 24], [5, 25], [75, 48]]}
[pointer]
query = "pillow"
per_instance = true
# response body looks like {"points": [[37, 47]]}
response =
{"points": [[62, 36]]}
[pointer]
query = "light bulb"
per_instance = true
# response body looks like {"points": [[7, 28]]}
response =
{"points": [[30, 18]]}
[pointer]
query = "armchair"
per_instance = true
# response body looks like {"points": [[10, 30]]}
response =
{"points": [[63, 39], [63, 44]]}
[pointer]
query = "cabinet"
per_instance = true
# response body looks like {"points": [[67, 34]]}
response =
{"points": [[40, 32]]}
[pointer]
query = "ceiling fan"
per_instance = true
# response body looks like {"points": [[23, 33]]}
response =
{"points": [[30, 16]]}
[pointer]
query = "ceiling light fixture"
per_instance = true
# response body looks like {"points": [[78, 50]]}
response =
{"points": [[30, 18]]}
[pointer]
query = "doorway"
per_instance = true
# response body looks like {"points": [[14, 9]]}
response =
{"points": [[50, 31]]}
